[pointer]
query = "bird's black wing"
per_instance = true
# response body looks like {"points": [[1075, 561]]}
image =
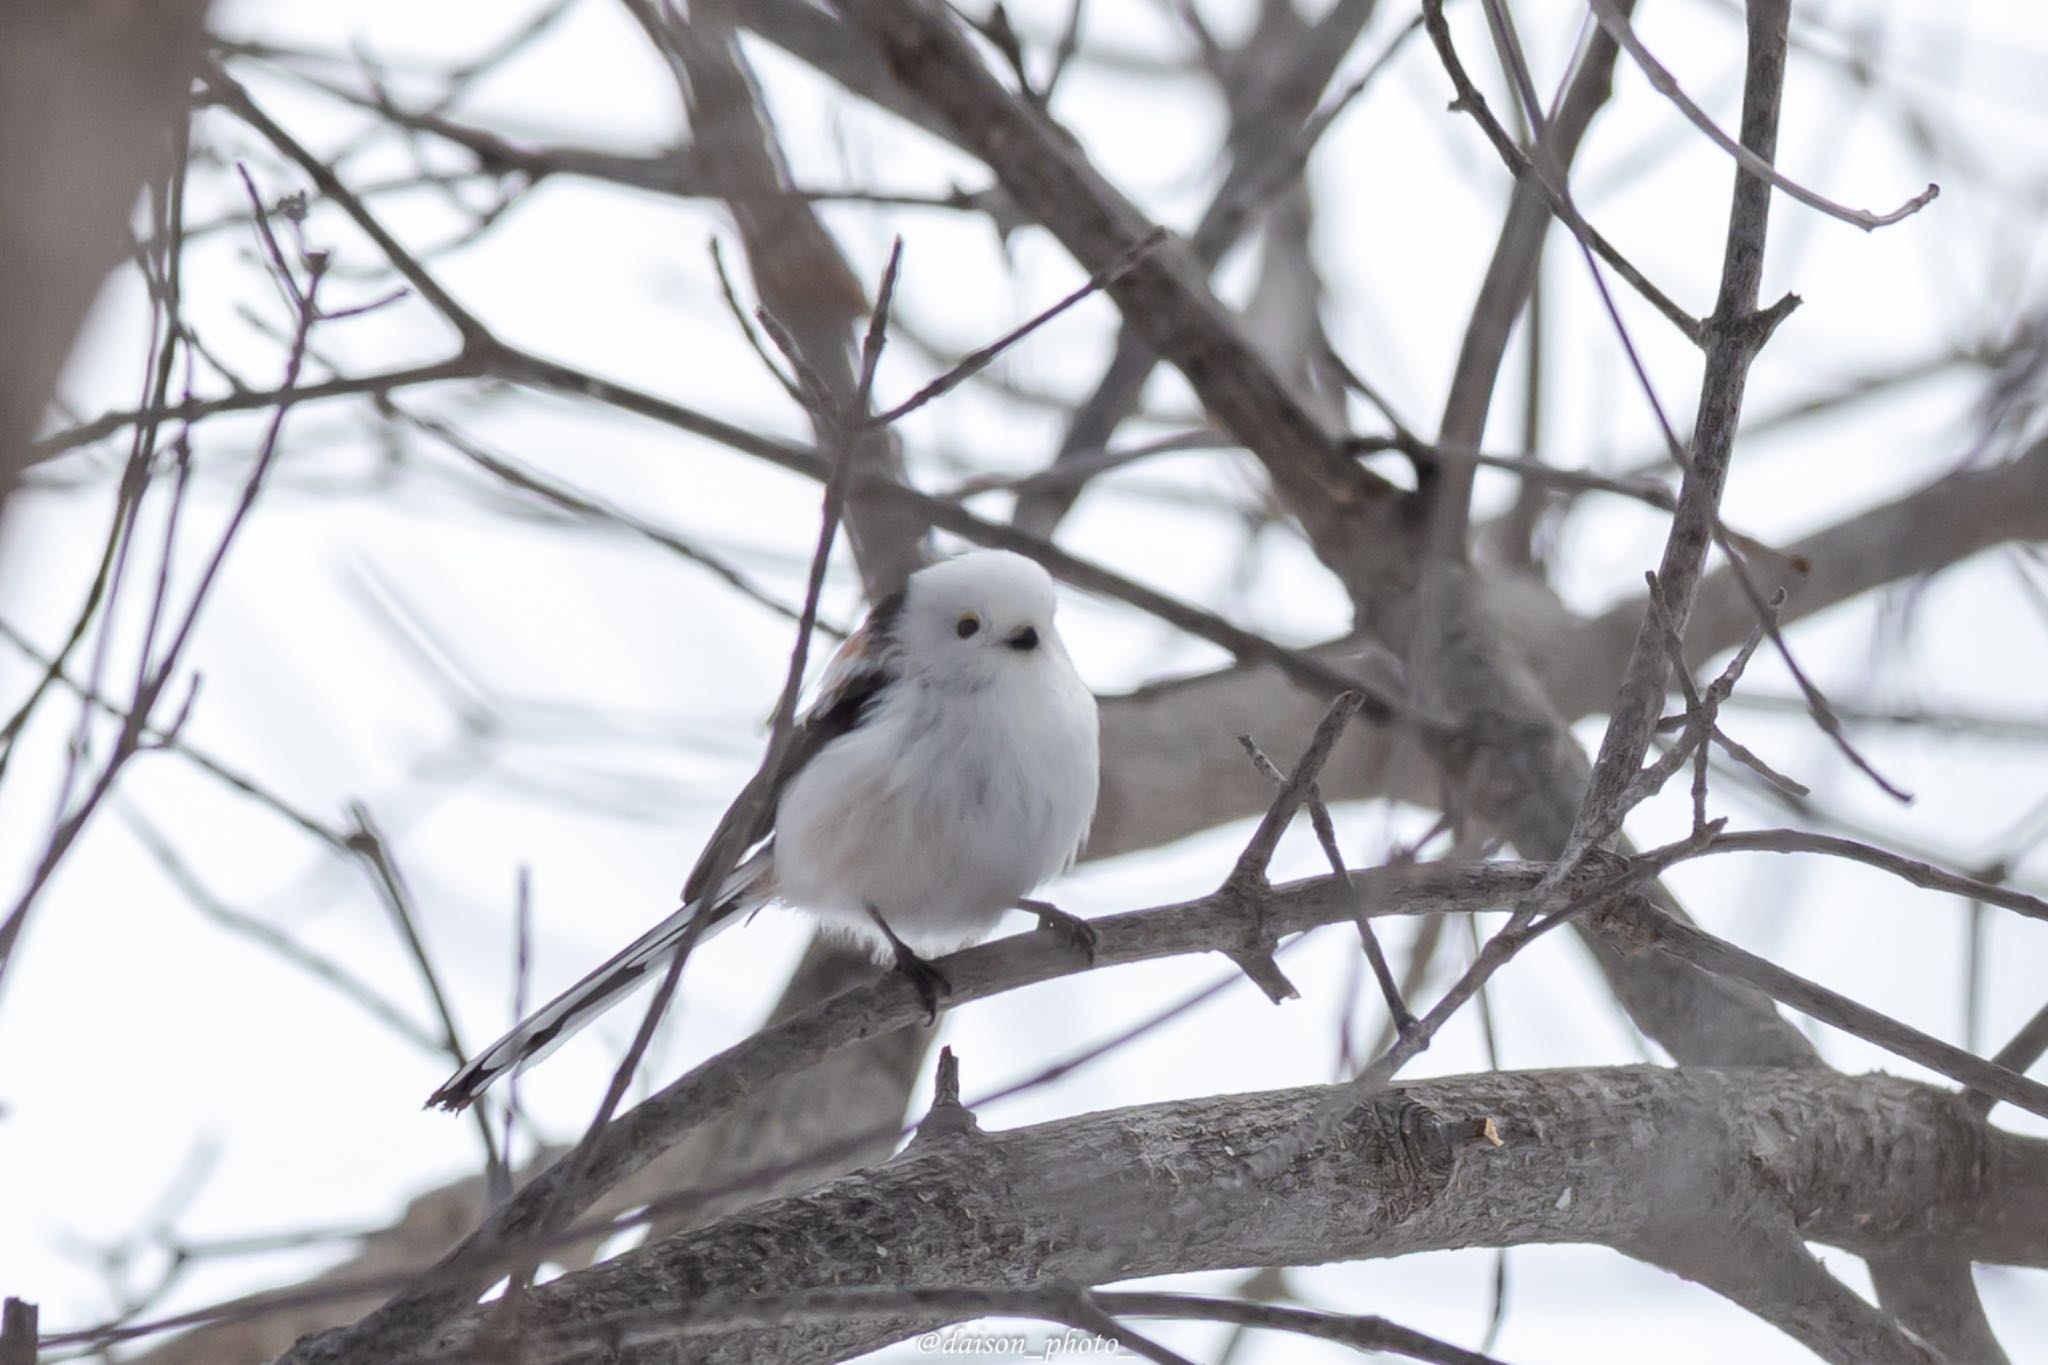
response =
{"points": [[863, 667]]}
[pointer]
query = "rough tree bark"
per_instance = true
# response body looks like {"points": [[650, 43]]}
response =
{"points": [[1609, 1157]]}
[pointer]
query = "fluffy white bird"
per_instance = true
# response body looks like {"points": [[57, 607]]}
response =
{"points": [[946, 767]]}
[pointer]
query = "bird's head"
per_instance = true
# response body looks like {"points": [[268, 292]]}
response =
{"points": [[978, 618]]}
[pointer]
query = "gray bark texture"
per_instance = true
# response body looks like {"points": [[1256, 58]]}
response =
{"points": [[1645, 1160]]}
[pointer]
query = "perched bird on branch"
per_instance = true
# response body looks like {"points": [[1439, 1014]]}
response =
{"points": [[946, 767]]}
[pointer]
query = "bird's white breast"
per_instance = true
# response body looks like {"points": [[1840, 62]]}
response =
{"points": [[944, 807]]}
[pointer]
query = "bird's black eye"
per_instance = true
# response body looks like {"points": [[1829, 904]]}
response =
{"points": [[966, 626], [1024, 639]]}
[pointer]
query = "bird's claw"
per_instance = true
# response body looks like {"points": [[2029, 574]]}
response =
{"points": [[1077, 932], [929, 982]]}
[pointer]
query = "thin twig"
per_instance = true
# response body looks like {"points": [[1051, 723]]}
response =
{"points": [[975, 361], [1326, 835], [181, 874], [1616, 23], [1701, 949], [1921, 874], [1816, 702], [2026, 1047], [158, 674], [1472, 102], [522, 968], [373, 850], [746, 325]]}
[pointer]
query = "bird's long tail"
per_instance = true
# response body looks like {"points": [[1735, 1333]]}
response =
{"points": [[639, 962]]}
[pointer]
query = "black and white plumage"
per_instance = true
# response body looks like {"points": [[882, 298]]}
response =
{"points": [[946, 767]]}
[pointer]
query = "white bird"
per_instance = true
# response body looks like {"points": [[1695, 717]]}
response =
{"points": [[946, 768]]}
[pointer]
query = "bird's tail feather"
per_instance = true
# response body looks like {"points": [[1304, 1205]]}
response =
{"points": [[549, 1026]]}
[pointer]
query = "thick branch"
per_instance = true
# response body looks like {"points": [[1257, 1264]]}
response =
{"points": [[1268, 111], [800, 275], [1348, 513], [1866, 1163]]}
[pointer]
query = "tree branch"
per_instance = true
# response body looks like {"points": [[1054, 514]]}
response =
{"points": [[1165, 296], [1857, 1162], [1211, 924]]}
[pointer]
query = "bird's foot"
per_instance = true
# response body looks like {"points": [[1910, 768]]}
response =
{"points": [[929, 982], [1077, 932]]}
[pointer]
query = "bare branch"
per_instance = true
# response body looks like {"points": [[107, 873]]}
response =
{"points": [[1756, 162]]}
